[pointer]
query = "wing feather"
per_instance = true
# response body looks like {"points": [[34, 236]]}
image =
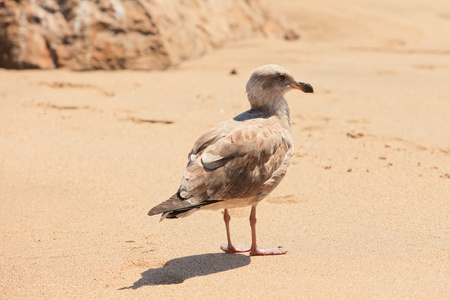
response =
{"points": [[235, 164]]}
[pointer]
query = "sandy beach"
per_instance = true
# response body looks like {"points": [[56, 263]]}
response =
{"points": [[363, 210]]}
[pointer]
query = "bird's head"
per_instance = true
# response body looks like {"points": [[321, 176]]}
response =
{"points": [[268, 84]]}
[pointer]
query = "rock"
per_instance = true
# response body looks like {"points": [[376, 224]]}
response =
{"points": [[115, 34]]}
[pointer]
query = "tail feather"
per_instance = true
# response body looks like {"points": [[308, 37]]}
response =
{"points": [[177, 207], [173, 203], [178, 214]]}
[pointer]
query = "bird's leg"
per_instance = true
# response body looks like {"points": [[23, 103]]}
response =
{"points": [[254, 250], [230, 248]]}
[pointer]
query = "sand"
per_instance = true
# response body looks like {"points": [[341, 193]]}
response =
{"points": [[363, 210]]}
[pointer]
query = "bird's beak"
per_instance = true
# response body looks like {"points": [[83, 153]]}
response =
{"points": [[302, 86]]}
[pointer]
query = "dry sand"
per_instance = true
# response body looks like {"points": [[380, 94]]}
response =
{"points": [[363, 211]]}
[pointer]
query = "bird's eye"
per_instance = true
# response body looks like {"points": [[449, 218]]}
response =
{"points": [[282, 76]]}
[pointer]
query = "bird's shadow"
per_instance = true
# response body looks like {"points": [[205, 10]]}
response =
{"points": [[177, 270]]}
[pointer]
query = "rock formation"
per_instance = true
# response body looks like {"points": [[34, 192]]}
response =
{"points": [[125, 34]]}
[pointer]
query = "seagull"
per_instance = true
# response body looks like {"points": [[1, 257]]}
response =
{"points": [[238, 162]]}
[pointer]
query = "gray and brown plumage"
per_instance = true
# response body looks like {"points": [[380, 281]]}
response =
{"points": [[239, 162]]}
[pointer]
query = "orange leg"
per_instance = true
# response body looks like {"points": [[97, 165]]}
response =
{"points": [[230, 248], [254, 250]]}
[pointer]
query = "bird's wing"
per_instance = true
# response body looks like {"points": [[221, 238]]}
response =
{"points": [[234, 162]]}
